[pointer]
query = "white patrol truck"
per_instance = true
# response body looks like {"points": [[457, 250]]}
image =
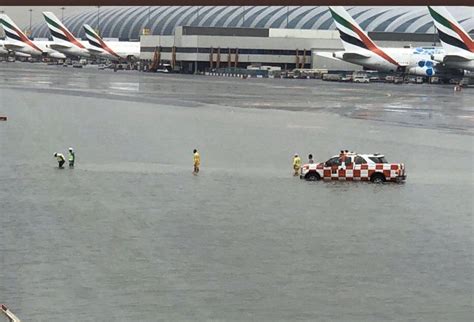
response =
{"points": [[355, 167]]}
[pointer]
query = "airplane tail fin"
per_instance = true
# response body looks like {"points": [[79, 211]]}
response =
{"points": [[93, 38], [353, 36], [13, 33], [96, 41], [59, 32], [455, 40]]}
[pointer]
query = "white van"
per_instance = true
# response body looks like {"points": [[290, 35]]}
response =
{"points": [[361, 79]]}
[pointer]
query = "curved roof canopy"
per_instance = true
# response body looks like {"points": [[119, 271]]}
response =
{"points": [[127, 22]]}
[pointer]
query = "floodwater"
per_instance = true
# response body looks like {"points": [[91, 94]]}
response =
{"points": [[131, 235]]}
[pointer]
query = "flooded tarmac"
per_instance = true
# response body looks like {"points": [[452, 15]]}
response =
{"points": [[130, 234]]}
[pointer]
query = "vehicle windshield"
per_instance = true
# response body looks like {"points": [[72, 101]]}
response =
{"points": [[359, 160], [333, 161], [378, 159]]}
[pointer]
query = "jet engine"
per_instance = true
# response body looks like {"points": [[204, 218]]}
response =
{"points": [[423, 68]]}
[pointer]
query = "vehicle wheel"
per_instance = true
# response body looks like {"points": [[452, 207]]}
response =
{"points": [[312, 176], [377, 178]]}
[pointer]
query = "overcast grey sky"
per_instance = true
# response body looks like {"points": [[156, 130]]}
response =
{"points": [[21, 15]]}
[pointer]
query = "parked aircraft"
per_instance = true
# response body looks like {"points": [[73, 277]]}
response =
{"points": [[458, 45], [64, 41], [17, 41], [114, 50], [3, 50], [361, 50]]}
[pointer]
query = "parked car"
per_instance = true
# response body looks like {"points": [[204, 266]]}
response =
{"points": [[361, 79]]}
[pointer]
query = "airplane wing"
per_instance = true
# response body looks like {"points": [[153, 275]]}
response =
{"points": [[59, 46], [349, 55], [13, 47], [455, 59]]}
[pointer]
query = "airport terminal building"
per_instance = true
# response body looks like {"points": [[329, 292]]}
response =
{"points": [[205, 48], [206, 37]]}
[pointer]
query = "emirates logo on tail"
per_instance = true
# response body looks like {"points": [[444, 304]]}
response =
{"points": [[59, 31], [14, 33]]}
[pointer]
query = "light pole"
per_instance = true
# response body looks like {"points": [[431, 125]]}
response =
{"points": [[149, 14], [98, 20], [287, 14], [197, 47], [243, 16], [31, 13], [62, 14]]}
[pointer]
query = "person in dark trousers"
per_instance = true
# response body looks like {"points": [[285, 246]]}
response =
{"points": [[60, 158], [310, 158], [72, 158]]}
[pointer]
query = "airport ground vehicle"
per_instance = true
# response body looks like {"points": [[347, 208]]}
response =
{"points": [[356, 167], [346, 78], [361, 79], [332, 77], [398, 80]]}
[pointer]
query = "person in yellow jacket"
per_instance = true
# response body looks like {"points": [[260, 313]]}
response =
{"points": [[60, 158], [296, 164], [197, 161]]}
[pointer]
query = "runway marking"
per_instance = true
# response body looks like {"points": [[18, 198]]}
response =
{"points": [[298, 126]]}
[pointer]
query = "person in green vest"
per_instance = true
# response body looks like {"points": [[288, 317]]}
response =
{"points": [[72, 158]]}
